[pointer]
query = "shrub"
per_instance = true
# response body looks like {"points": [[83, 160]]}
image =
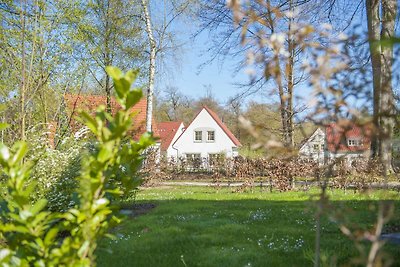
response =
{"points": [[55, 171], [31, 235]]}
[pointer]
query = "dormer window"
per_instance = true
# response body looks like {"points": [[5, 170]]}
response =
{"points": [[354, 142], [198, 136], [210, 136]]}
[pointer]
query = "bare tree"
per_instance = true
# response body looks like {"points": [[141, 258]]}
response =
{"points": [[277, 19], [160, 44]]}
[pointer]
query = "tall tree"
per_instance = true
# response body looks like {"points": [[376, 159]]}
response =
{"points": [[160, 40], [30, 56], [381, 17], [105, 33], [276, 65], [152, 65]]}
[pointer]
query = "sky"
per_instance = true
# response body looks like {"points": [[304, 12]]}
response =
{"points": [[194, 79], [217, 77]]}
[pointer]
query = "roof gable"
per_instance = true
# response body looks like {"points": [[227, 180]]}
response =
{"points": [[218, 121], [313, 136]]}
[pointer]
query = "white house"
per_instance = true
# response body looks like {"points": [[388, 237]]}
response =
{"points": [[349, 142], [205, 137], [314, 147]]}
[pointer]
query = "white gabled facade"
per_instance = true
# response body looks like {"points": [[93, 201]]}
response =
{"points": [[206, 135], [314, 147]]}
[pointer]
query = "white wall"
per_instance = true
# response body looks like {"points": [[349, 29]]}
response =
{"points": [[203, 122], [307, 149]]}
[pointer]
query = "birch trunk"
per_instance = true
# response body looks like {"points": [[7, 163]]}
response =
{"points": [[152, 66]]}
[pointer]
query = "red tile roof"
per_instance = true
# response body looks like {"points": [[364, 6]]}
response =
{"points": [[338, 135], [223, 126], [89, 103], [167, 132]]}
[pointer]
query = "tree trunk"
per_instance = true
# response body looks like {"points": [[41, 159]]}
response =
{"points": [[23, 74], [152, 66], [389, 10], [290, 81], [107, 60], [372, 8]]}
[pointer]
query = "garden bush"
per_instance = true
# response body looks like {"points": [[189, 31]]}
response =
{"points": [[30, 235]]}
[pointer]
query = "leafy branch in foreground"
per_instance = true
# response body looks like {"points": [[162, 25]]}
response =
{"points": [[32, 236]]}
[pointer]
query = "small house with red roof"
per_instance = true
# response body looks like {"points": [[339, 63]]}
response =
{"points": [[345, 140], [205, 137], [348, 140]]}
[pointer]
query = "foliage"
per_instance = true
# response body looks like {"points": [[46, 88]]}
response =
{"points": [[55, 170], [33, 236]]}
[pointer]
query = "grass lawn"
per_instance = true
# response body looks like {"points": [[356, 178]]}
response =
{"points": [[203, 226]]}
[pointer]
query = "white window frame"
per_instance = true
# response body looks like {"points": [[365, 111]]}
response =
{"points": [[195, 137], [354, 142], [208, 136]]}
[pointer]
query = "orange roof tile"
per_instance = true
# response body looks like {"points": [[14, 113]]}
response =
{"points": [[89, 103], [337, 136], [167, 132]]}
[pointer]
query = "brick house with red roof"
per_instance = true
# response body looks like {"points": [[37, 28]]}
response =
{"points": [[74, 103], [204, 137]]}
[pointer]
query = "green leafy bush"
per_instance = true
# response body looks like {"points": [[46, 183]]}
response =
{"points": [[32, 236], [56, 170]]}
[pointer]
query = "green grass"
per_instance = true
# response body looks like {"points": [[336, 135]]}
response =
{"points": [[202, 226]]}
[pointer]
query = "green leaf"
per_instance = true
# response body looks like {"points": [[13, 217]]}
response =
{"points": [[4, 126], [114, 72], [20, 150], [105, 152], [132, 75], [38, 206], [4, 152], [83, 248], [25, 214], [122, 87], [133, 97], [89, 121], [50, 236]]}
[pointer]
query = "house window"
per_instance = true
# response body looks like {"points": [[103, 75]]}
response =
{"points": [[193, 160], [316, 147], [354, 142], [198, 136], [193, 156], [210, 136]]}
